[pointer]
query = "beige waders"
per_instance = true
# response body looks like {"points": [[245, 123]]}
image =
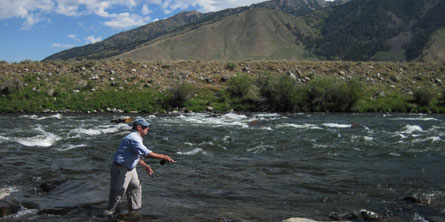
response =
{"points": [[124, 181]]}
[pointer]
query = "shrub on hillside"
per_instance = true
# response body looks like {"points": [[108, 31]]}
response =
{"points": [[443, 95], [230, 66], [278, 94], [178, 95], [423, 96], [329, 94], [239, 86]]}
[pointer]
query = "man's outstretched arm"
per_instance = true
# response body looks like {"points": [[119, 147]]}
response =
{"points": [[160, 156]]}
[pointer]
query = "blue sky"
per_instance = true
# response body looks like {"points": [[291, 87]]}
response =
{"points": [[35, 29]]}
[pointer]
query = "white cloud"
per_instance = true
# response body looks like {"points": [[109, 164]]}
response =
{"points": [[120, 13], [92, 39], [169, 6], [126, 20], [145, 10], [29, 10], [58, 45], [157, 2], [72, 36]]}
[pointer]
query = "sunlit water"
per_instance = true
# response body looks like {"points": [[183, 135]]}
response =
{"points": [[243, 167]]}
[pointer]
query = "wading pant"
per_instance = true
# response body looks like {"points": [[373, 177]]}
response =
{"points": [[124, 182]]}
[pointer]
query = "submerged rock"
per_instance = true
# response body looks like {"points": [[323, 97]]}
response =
{"points": [[135, 216], [300, 219], [51, 185], [356, 215], [369, 215], [9, 207], [222, 219]]}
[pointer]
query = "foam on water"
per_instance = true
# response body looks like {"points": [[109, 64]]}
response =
{"points": [[6, 191], [226, 139], [401, 136], [71, 147], [268, 116], [337, 125], [40, 140], [416, 119], [192, 152], [2, 138], [315, 145], [368, 138], [24, 211], [44, 139], [298, 126], [409, 129], [266, 128], [260, 148], [55, 116], [95, 130], [418, 218], [394, 154], [432, 139], [229, 119]]}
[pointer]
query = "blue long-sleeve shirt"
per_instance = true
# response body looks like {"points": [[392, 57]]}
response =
{"points": [[130, 150]]}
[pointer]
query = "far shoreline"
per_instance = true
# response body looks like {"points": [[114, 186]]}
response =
{"points": [[103, 86]]}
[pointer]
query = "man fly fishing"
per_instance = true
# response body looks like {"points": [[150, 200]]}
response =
{"points": [[124, 177]]}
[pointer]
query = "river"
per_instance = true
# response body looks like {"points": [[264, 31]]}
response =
{"points": [[234, 166]]}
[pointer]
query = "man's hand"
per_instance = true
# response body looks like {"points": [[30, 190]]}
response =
{"points": [[148, 169], [169, 159]]}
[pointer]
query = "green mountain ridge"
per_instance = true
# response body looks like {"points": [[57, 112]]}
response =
{"points": [[129, 40], [353, 30]]}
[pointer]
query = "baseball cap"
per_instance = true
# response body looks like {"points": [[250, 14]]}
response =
{"points": [[141, 122]]}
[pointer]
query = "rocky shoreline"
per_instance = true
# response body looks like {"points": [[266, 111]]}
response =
{"points": [[11, 205], [110, 86]]}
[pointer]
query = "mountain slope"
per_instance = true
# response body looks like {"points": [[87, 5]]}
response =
{"points": [[435, 52], [365, 29], [129, 40], [256, 34], [356, 30]]}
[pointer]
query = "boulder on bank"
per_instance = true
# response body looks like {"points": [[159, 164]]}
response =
{"points": [[123, 120]]}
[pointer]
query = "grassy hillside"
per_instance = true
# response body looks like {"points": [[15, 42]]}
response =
{"points": [[356, 30], [256, 34], [101, 86], [128, 40]]}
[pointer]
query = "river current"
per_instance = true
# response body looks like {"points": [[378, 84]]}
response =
{"points": [[241, 167]]}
